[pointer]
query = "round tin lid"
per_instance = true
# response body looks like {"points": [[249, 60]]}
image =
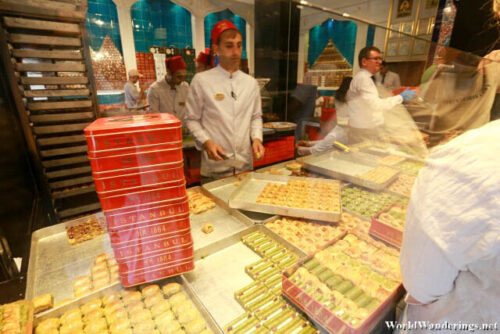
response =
{"points": [[118, 124]]}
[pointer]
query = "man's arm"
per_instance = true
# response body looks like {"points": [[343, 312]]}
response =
{"points": [[153, 101], [256, 124], [368, 92], [194, 111]]}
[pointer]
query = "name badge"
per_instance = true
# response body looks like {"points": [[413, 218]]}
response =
{"points": [[182, 104], [219, 97]]}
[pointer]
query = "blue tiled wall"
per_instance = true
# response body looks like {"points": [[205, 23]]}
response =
{"points": [[212, 18], [370, 35], [150, 18], [343, 34], [111, 99], [102, 20]]}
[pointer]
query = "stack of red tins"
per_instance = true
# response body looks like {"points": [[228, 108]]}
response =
{"points": [[137, 166]]}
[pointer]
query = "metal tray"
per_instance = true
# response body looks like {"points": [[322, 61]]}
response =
{"points": [[220, 271], [54, 264], [280, 167], [245, 198], [346, 167], [57, 312], [282, 126], [224, 188], [226, 221]]}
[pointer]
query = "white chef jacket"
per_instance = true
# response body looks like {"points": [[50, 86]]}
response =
{"points": [[390, 81], [366, 108], [450, 257], [225, 108], [163, 99], [131, 95], [338, 133]]}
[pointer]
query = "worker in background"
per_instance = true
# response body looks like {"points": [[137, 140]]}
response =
{"points": [[366, 108], [320, 101], [223, 110], [169, 94], [134, 98], [388, 79], [340, 131], [450, 256], [202, 62]]}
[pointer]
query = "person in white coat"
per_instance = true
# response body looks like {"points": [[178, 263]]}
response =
{"points": [[366, 108], [223, 110], [169, 94], [387, 78], [450, 256], [339, 133]]}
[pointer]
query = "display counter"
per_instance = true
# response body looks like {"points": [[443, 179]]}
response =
{"points": [[236, 284]]}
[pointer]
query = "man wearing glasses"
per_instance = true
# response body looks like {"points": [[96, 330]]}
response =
{"points": [[366, 115]]}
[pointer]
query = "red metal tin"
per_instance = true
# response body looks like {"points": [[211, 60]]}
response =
{"points": [[146, 248], [151, 262], [138, 169], [129, 199], [136, 180], [134, 150], [131, 161], [131, 131], [141, 276], [133, 217], [121, 237]]}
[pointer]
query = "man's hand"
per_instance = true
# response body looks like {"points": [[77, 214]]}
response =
{"points": [[303, 143], [214, 150], [258, 149]]}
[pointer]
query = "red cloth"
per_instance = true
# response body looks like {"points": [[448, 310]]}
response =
{"points": [[175, 64], [219, 28], [202, 58]]}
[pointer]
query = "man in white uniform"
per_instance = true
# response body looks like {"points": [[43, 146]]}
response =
{"points": [[223, 110], [388, 79], [366, 108], [169, 94], [450, 256], [134, 97]]}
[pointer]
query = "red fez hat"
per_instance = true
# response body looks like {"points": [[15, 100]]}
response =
{"points": [[202, 58], [175, 64], [220, 27]]}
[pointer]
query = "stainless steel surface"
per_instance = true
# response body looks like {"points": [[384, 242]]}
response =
{"points": [[54, 264], [346, 167], [246, 195], [268, 131], [223, 189], [280, 167], [57, 312], [282, 126], [220, 272], [226, 222]]}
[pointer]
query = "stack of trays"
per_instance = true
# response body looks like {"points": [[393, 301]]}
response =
{"points": [[137, 166]]}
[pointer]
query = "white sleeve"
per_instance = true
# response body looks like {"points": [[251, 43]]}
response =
{"points": [[153, 101], [368, 92], [256, 120], [327, 142], [194, 111], [427, 274]]}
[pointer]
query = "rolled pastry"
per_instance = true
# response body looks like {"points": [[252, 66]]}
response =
{"points": [[101, 258], [90, 306], [73, 315], [195, 326], [43, 302], [150, 289], [160, 307], [171, 288], [207, 228], [153, 299], [110, 297], [135, 307], [132, 298], [177, 299], [140, 317]]}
